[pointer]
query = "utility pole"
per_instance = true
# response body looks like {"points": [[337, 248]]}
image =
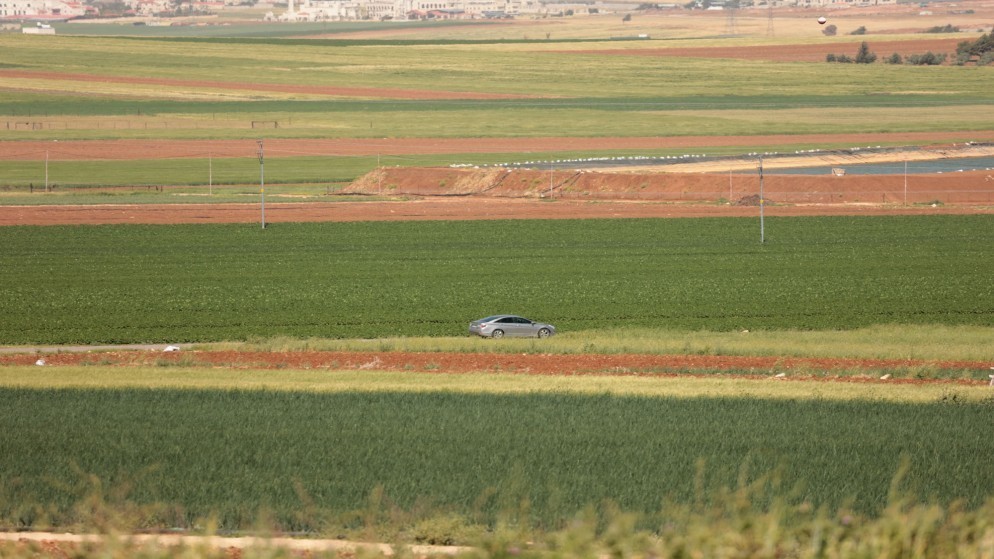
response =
{"points": [[905, 182], [552, 168], [729, 186], [262, 182], [762, 204]]}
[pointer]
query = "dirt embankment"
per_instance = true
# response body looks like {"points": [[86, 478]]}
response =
{"points": [[975, 187], [724, 180]]}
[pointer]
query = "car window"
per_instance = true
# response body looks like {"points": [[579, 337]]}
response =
{"points": [[506, 320], [523, 321]]}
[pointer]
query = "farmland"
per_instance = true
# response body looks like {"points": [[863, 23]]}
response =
{"points": [[197, 91], [318, 447], [127, 284], [499, 86], [820, 394]]}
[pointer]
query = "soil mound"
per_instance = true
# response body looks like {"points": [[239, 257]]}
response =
{"points": [[950, 188]]}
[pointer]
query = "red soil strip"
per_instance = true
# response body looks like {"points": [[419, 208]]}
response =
{"points": [[29, 150], [331, 91], [533, 364], [795, 53], [453, 209]]}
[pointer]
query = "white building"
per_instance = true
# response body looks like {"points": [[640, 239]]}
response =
{"points": [[321, 10], [149, 8], [351, 10]]}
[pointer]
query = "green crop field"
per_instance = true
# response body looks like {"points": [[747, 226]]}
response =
{"points": [[327, 452], [221, 87], [522, 69], [199, 283], [613, 95]]}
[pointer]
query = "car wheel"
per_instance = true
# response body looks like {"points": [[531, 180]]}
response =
{"points": [[497, 334], [544, 333]]}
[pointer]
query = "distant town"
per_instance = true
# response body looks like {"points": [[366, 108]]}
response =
{"points": [[38, 14]]}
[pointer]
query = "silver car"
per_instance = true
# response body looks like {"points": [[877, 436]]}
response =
{"points": [[501, 325]]}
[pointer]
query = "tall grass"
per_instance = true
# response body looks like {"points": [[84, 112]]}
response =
{"points": [[912, 342], [727, 530]]}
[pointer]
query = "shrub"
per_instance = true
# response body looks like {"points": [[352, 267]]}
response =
{"points": [[986, 58], [894, 59], [830, 30], [861, 30], [928, 59], [948, 28], [830, 58]]}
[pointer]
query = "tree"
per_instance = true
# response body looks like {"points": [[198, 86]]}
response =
{"points": [[111, 7], [894, 59], [861, 30], [864, 56], [977, 48], [830, 30], [628, 17]]}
